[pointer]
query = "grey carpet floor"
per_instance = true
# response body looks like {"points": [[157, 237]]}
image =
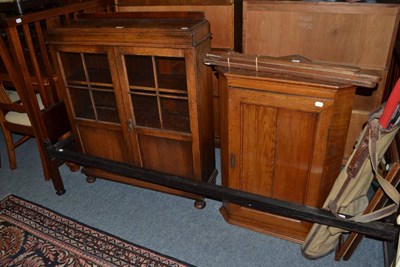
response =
{"points": [[164, 223]]}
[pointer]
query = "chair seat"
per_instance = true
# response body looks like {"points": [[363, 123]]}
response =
{"points": [[17, 117], [14, 97]]}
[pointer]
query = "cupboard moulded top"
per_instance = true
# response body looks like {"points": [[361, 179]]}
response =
{"points": [[166, 29], [282, 83]]}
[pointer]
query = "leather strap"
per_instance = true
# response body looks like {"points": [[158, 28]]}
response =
{"points": [[359, 156], [367, 147], [387, 187]]}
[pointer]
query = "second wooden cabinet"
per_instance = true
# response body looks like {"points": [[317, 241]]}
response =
{"points": [[137, 91], [281, 138]]}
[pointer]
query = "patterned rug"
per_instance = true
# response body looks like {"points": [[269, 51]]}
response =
{"points": [[31, 235]]}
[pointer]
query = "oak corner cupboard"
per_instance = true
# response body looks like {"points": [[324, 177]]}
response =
{"points": [[137, 92], [282, 138]]}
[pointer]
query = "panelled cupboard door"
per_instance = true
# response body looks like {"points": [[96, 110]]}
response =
{"points": [[92, 93], [279, 140], [281, 137]]}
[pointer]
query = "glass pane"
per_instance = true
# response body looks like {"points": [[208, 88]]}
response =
{"points": [[98, 68], [140, 70], [106, 106], [175, 114], [146, 111], [81, 103], [73, 68], [171, 73]]}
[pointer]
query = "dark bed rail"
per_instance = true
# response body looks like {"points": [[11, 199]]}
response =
{"points": [[380, 230]]}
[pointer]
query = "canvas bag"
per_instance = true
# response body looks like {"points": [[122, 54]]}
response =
{"points": [[349, 192]]}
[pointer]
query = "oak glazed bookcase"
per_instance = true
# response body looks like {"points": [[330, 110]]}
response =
{"points": [[137, 92]]}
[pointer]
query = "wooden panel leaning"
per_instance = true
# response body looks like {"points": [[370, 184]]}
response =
{"points": [[220, 14], [360, 34], [25, 41]]}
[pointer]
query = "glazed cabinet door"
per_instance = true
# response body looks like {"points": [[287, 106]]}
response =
{"points": [[93, 97], [157, 104], [277, 144]]}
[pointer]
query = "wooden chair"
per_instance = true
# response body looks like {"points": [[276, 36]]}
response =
{"points": [[22, 112], [30, 73], [14, 113], [14, 119]]}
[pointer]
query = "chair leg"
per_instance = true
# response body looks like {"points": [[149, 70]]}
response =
{"points": [[54, 171], [54, 175], [50, 168], [45, 161], [57, 180], [10, 149]]}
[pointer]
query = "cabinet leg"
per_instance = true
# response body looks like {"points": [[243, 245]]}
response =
{"points": [[90, 179], [72, 166], [200, 204]]}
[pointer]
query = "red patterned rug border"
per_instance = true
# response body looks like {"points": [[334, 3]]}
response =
{"points": [[29, 218], [50, 239]]}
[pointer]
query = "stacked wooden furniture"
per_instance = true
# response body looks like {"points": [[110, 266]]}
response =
{"points": [[360, 34], [224, 17], [137, 92]]}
